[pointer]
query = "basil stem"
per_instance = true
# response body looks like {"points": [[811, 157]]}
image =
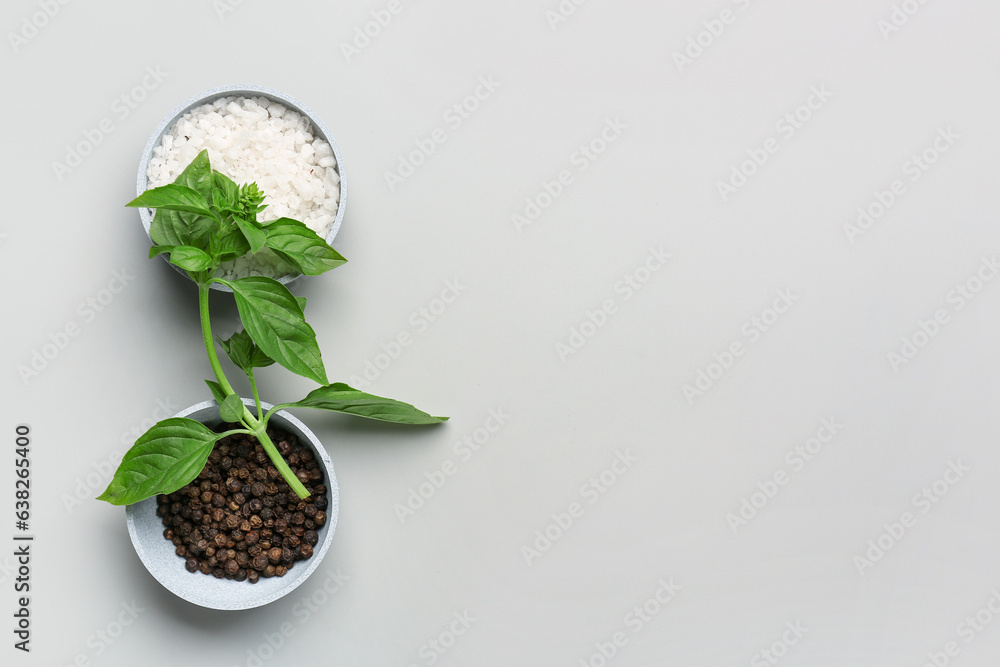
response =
{"points": [[257, 426]]}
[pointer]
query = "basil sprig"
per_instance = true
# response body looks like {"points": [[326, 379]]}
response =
{"points": [[203, 219]]}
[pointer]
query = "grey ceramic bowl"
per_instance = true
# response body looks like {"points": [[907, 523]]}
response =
{"points": [[157, 553], [142, 179]]}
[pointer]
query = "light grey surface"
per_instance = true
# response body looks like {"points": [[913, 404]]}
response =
{"points": [[145, 529], [388, 588]]}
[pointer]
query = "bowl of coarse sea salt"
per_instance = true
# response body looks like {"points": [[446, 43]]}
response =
{"points": [[256, 135]]}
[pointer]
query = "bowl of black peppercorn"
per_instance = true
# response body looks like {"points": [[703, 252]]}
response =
{"points": [[237, 537]]}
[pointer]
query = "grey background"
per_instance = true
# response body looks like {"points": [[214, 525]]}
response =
{"points": [[495, 346]]}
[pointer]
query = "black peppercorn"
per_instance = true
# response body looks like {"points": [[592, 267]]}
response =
{"points": [[238, 520]]}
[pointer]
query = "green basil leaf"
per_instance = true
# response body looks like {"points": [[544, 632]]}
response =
{"points": [[338, 397], [217, 392], [230, 191], [173, 198], [198, 175], [296, 243], [244, 353], [239, 348], [168, 228], [253, 234], [260, 359], [159, 250], [165, 458], [302, 302], [232, 245], [231, 408], [275, 322], [190, 258]]}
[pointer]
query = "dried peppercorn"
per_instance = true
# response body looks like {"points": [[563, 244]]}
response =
{"points": [[238, 520]]}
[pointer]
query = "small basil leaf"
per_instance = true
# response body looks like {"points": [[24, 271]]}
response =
{"points": [[198, 175], [239, 348], [244, 353], [232, 245], [217, 392], [190, 258], [159, 250], [259, 359], [296, 243], [230, 191], [338, 397], [275, 322], [231, 408], [253, 234], [163, 459], [173, 198]]}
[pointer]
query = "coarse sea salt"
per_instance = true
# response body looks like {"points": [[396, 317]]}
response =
{"points": [[255, 139]]}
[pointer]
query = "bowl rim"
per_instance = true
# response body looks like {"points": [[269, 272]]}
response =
{"points": [[243, 90], [190, 594]]}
